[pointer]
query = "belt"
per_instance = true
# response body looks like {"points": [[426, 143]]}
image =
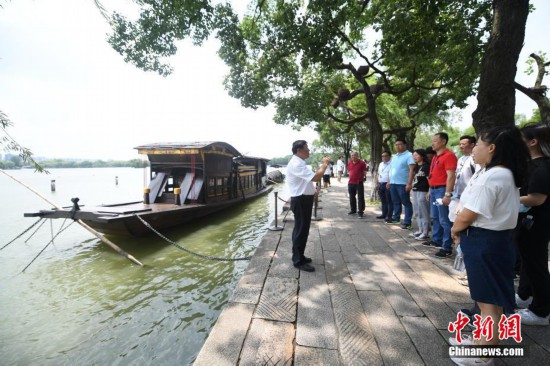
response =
{"points": [[441, 186]]}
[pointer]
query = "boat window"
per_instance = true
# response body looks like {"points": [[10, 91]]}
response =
{"points": [[218, 186], [211, 186], [170, 185]]}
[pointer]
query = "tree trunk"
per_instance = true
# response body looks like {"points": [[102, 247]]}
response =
{"points": [[496, 99], [376, 136]]}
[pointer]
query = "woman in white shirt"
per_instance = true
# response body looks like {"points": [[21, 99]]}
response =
{"points": [[484, 226]]}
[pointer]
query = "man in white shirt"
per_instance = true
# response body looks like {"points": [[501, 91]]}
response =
{"points": [[299, 179], [340, 166], [465, 169], [381, 180]]}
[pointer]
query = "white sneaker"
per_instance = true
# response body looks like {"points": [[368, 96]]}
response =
{"points": [[467, 340], [523, 304], [414, 235], [530, 318], [473, 361], [422, 236]]}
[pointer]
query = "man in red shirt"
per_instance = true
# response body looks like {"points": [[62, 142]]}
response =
{"points": [[442, 181], [357, 170]]}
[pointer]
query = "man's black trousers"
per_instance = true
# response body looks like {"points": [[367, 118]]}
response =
{"points": [[301, 206]]}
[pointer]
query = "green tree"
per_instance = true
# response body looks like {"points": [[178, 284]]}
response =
{"points": [[339, 138], [289, 53], [9, 144]]}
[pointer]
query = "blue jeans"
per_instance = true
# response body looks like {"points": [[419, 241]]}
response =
{"points": [[385, 199], [441, 228], [400, 196]]}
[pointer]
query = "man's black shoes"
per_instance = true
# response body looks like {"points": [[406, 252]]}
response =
{"points": [[307, 260], [431, 243], [305, 267]]}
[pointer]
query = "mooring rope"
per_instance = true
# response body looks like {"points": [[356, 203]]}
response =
{"points": [[36, 230], [187, 250], [61, 229], [283, 200], [23, 233]]}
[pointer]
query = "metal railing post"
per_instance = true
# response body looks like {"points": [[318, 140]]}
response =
{"points": [[276, 228]]}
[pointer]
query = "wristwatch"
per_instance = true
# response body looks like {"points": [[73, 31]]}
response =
{"points": [[448, 194]]}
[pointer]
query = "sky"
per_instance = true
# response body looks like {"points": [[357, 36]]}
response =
{"points": [[70, 95]]}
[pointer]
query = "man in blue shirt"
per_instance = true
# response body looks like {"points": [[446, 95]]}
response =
{"points": [[400, 183]]}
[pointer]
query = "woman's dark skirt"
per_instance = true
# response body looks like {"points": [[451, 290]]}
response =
{"points": [[490, 257]]}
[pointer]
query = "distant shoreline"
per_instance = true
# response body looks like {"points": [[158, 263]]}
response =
{"points": [[62, 163]]}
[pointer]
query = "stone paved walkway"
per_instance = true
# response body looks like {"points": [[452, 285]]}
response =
{"points": [[377, 297]]}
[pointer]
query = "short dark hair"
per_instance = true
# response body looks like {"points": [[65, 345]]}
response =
{"points": [[386, 152], [402, 139], [422, 153], [510, 151], [298, 144], [471, 139], [443, 136], [429, 150]]}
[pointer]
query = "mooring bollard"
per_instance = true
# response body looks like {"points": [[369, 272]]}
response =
{"points": [[316, 207], [146, 192], [52, 185], [276, 228], [177, 198]]}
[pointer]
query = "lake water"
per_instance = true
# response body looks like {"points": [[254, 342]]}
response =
{"points": [[81, 303]]}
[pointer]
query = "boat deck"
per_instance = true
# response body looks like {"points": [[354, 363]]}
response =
{"points": [[137, 207], [377, 297]]}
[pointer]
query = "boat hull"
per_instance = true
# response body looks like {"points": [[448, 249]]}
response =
{"points": [[122, 219]]}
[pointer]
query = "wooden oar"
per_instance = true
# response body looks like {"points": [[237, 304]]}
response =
{"points": [[100, 236]]}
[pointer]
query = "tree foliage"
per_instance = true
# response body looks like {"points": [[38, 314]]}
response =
{"points": [[315, 60], [9, 144]]}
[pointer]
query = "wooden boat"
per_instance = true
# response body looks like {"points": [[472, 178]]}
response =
{"points": [[188, 181]]}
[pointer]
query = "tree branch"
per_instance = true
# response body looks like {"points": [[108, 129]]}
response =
{"points": [[349, 121], [541, 69]]}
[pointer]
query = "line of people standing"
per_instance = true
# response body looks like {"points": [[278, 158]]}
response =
{"points": [[432, 183]]}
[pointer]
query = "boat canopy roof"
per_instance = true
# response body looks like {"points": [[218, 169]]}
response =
{"points": [[249, 158], [187, 148]]}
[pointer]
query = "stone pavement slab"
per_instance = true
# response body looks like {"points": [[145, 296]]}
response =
{"points": [[308, 356], [278, 300], [223, 345], [377, 297], [393, 341], [355, 339], [315, 326], [268, 343]]}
